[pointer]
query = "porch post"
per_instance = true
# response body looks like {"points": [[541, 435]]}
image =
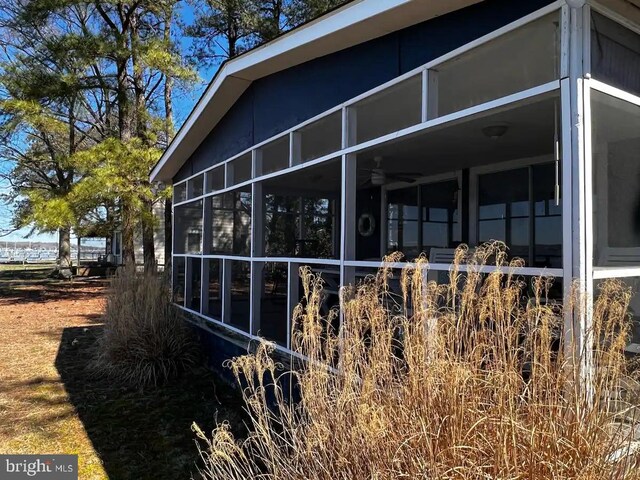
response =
{"points": [[576, 184]]}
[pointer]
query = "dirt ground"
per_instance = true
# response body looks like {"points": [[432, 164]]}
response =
{"points": [[51, 403]]}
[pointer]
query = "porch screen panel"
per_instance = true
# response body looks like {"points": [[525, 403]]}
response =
{"points": [[329, 304], [615, 54], [215, 179], [239, 307], [321, 138], [300, 226], [195, 281], [239, 170], [188, 228], [213, 302], [195, 187], [616, 181], [231, 223], [273, 302], [633, 284], [521, 59], [275, 156], [180, 192], [393, 109], [178, 280]]}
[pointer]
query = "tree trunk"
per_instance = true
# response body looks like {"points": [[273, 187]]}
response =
{"points": [[64, 248], [128, 234], [168, 234], [168, 125], [148, 243]]}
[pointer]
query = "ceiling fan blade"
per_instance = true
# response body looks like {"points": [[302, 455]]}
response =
{"points": [[400, 178], [367, 183], [408, 174]]}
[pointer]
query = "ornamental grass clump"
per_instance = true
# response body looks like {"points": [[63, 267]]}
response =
{"points": [[145, 341], [468, 380]]}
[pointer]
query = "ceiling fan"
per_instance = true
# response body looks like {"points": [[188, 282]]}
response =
{"points": [[379, 177]]}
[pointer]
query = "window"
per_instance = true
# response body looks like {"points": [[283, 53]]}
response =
{"points": [[503, 209], [215, 179], [439, 207], [195, 283], [274, 314], [519, 207], [548, 218], [180, 192], [616, 181], [403, 222], [213, 301], [240, 295], [231, 223], [422, 217], [239, 170], [178, 280], [393, 109], [188, 228], [615, 54], [297, 226], [274, 156], [321, 138], [522, 59]]}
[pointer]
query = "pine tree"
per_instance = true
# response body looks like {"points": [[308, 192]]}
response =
{"points": [[123, 58]]}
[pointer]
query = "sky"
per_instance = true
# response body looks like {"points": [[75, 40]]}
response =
{"points": [[184, 102]]}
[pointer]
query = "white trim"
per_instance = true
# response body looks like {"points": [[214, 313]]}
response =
{"points": [[614, 92], [586, 41], [567, 193], [446, 267], [602, 273], [564, 42], [588, 184], [300, 260], [215, 85], [425, 96]]}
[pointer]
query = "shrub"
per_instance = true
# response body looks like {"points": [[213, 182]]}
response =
{"points": [[471, 383], [145, 341]]}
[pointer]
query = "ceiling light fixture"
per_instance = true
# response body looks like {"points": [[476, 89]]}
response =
{"points": [[495, 131]]}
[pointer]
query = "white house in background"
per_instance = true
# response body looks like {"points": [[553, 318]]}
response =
{"points": [[411, 125], [114, 247]]}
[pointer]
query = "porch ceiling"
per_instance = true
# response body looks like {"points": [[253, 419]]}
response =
{"points": [[464, 145]]}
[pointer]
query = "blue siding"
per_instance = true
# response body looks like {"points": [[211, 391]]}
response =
{"points": [[282, 100], [299, 93]]}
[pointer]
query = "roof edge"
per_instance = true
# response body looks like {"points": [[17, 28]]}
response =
{"points": [[332, 32]]}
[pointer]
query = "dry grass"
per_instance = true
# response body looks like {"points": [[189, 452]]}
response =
{"points": [[50, 402], [145, 340], [471, 383], [36, 415]]}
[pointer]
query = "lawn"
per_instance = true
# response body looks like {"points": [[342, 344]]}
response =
{"points": [[51, 403]]}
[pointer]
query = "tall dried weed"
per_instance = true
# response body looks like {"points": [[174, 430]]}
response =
{"points": [[468, 380], [145, 341]]}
